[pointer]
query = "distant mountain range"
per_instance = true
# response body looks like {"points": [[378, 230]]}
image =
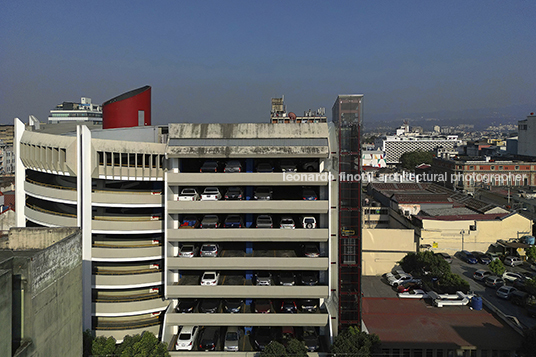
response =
{"points": [[480, 118]]}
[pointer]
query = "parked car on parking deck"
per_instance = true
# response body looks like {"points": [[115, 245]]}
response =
{"points": [[186, 305], [190, 222], [232, 338], [189, 194], [513, 261], [505, 291], [265, 167], [308, 305], [310, 250], [234, 193], [188, 251], [210, 221], [209, 338], [209, 166], [309, 194], [262, 306], [287, 223], [482, 258], [480, 274], [264, 221], [209, 250], [287, 278], [211, 194], [261, 336], [263, 278], [288, 166], [398, 278], [411, 285], [209, 306], [468, 257], [288, 306], [263, 193], [310, 338], [233, 166], [210, 278], [309, 278], [233, 305], [186, 338], [494, 281], [233, 221], [308, 222], [511, 277]]}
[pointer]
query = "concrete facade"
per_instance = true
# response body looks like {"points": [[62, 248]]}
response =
{"points": [[45, 292], [526, 133], [384, 247]]}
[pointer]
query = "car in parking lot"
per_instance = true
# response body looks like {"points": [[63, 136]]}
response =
{"points": [[233, 305], [308, 222], [190, 222], [494, 281], [468, 257], [287, 278], [233, 221], [505, 292], [261, 336], [189, 194], [264, 221], [481, 274], [413, 294], [186, 338], [233, 166], [232, 338], [186, 305], [411, 285], [308, 305], [287, 223], [234, 193], [211, 194], [511, 277], [209, 250], [309, 194], [262, 306], [445, 256], [310, 250], [209, 166], [210, 221], [310, 338], [210, 278], [309, 278], [512, 261], [399, 278], [263, 193], [209, 306], [482, 258], [209, 338], [288, 166], [288, 306], [263, 278], [188, 251], [265, 167]]}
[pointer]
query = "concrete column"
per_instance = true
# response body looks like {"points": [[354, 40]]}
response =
{"points": [[20, 174], [83, 184]]}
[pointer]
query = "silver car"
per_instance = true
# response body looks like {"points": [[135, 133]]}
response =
{"points": [[232, 339]]}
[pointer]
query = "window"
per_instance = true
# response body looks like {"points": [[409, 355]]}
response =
{"points": [[517, 167], [493, 167], [500, 167], [471, 167]]}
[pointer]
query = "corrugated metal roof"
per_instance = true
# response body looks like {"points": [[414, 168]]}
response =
{"points": [[250, 142]]}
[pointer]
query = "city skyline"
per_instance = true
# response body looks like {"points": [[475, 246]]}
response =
{"points": [[222, 62]]}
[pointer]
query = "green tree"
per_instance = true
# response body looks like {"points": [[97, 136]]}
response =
{"points": [[296, 348], [497, 267], [531, 253], [450, 283], [87, 343], [102, 346], [425, 263], [274, 349], [409, 160], [353, 342]]}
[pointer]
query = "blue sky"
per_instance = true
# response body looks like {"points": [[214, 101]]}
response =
{"points": [[222, 61]]}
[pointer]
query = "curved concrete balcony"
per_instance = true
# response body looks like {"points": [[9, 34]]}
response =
{"points": [[127, 199], [126, 254], [248, 179], [247, 235], [127, 281], [129, 308], [112, 224], [252, 292], [248, 319], [51, 193], [249, 263], [50, 219], [120, 333], [230, 207]]}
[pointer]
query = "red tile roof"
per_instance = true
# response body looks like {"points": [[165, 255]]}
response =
{"points": [[465, 217]]}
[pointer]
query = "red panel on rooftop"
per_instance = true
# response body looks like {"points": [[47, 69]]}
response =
{"points": [[128, 110]]}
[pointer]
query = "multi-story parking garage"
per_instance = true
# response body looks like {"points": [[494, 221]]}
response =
{"points": [[274, 242]]}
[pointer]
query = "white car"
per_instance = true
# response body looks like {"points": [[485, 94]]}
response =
{"points": [[210, 278], [287, 223], [188, 251], [511, 277], [308, 222], [398, 278], [186, 338], [189, 194], [211, 194], [414, 294], [513, 261]]}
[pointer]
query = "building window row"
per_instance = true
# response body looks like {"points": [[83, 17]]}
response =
{"points": [[136, 160]]}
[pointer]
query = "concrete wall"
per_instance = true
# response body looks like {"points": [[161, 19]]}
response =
{"points": [[7, 220], [35, 238], [445, 236], [383, 248], [6, 305]]}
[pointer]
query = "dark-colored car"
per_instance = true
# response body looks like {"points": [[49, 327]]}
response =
{"points": [[482, 258], [445, 256], [234, 193], [468, 257], [265, 167], [263, 193], [209, 166], [287, 333], [410, 285], [310, 338], [209, 338], [190, 222], [187, 305], [309, 194], [308, 305], [288, 166], [233, 305], [287, 278], [288, 306], [233, 166], [310, 250], [263, 306], [233, 221], [209, 306], [261, 336], [265, 221], [309, 278]]}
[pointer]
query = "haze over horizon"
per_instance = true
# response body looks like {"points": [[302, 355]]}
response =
{"points": [[223, 61]]}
